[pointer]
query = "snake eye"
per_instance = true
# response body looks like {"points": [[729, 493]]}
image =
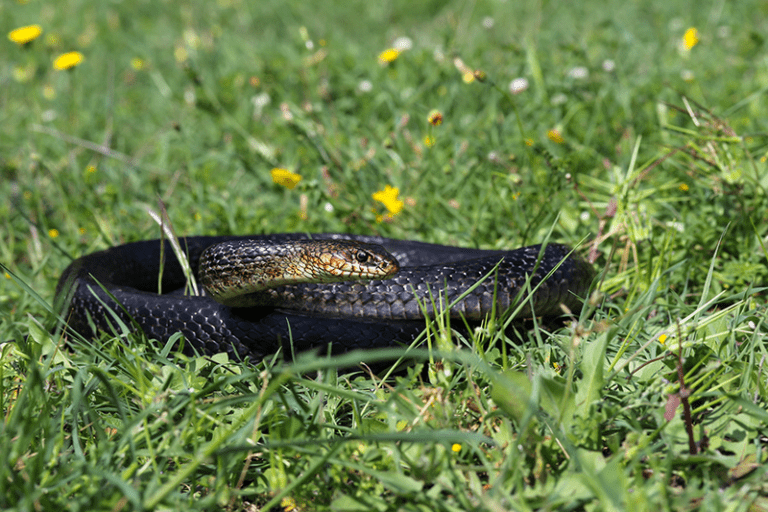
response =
{"points": [[362, 257]]}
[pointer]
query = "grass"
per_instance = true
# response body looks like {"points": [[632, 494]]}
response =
{"points": [[652, 155]]}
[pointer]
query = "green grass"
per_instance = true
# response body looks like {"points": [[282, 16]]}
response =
{"points": [[661, 176]]}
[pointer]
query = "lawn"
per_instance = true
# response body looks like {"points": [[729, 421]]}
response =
{"points": [[633, 131]]}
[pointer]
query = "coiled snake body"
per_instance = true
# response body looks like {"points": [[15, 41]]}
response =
{"points": [[347, 315]]}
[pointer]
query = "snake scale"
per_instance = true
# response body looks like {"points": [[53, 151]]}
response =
{"points": [[297, 317]]}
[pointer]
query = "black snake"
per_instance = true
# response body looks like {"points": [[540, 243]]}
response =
{"points": [[347, 315]]}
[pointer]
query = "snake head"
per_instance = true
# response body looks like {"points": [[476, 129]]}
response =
{"points": [[236, 272], [355, 260]]}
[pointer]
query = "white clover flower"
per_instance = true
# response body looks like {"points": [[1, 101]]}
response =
{"points": [[402, 44], [578, 73], [259, 102], [365, 86], [518, 85], [558, 99]]}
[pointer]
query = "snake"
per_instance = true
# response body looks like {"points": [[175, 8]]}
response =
{"points": [[395, 286]]}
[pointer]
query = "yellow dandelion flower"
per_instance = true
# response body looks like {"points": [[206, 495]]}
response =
{"points": [[690, 38], [53, 233], [683, 187], [285, 177], [388, 197], [456, 447], [137, 63], [554, 136], [7, 275], [23, 74], [180, 54], [24, 35], [288, 504], [468, 77], [68, 60], [388, 55], [429, 141], [435, 118], [663, 339]]}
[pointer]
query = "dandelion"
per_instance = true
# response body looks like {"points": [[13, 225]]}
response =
{"points": [[388, 55], [67, 60], [285, 177], [554, 136], [53, 233], [288, 504], [690, 38], [429, 141], [137, 63], [180, 54], [467, 74], [683, 187], [663, 339], [23, 74], [456, 447], [51, 40], [435, 118], [388, 197], [24, 35]]}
